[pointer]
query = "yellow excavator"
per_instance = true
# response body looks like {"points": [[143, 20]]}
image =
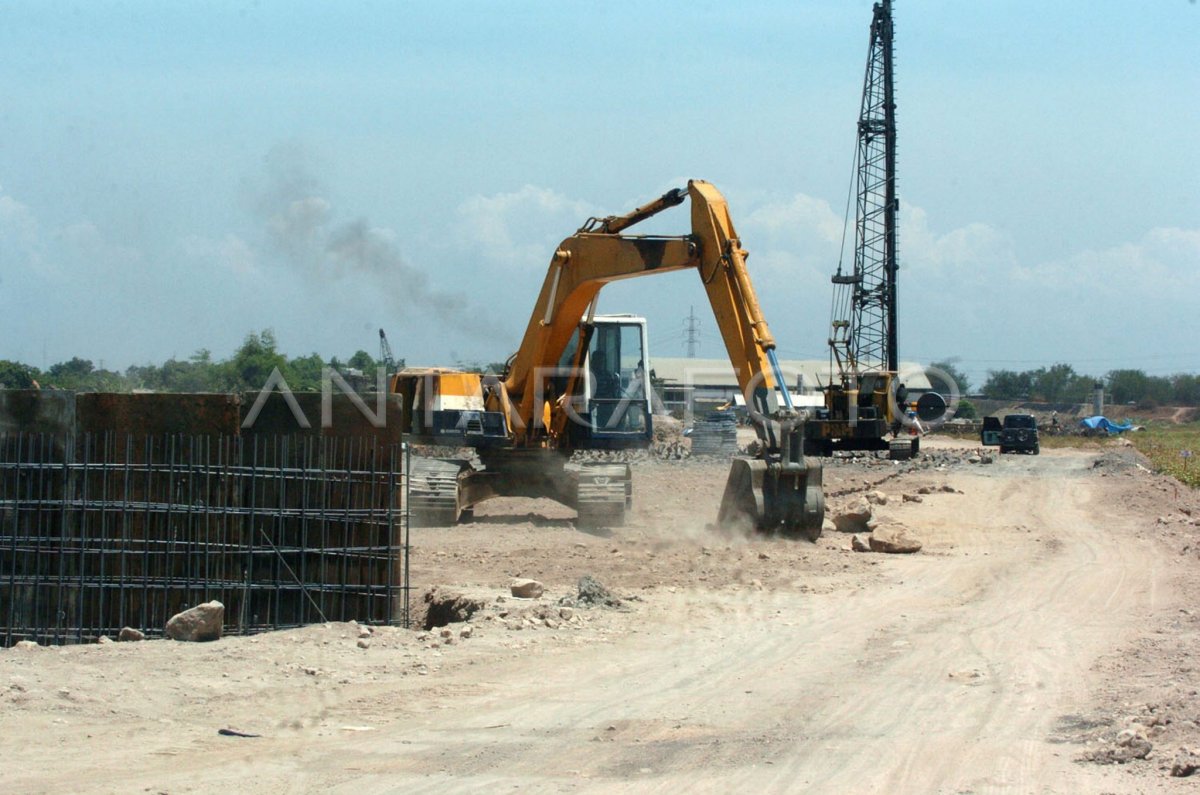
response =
{"points": [[578, 381]]}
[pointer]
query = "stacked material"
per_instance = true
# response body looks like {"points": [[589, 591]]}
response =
{"points": [[715, 435]]}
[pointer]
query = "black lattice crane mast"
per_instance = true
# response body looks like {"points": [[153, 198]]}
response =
{"points": [[864, 338], [386, 357], [866, 402]]}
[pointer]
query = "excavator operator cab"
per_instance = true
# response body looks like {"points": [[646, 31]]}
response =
{"points": [[615, 401]]}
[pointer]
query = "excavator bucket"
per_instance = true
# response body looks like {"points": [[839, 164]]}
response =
{"points": [[774, 497]]}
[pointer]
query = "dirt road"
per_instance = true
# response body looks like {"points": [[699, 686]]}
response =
{"points": [[985, 663]]}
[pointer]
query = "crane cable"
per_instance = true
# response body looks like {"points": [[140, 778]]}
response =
{"points": [[840, 289]]}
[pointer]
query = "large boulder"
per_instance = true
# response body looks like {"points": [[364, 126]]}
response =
{"points": [[526, 589], [200, 623], [855, 517], [894, 538], [1186, 764]]}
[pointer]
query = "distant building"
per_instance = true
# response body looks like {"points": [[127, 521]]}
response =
{"points": [[705, 383]]}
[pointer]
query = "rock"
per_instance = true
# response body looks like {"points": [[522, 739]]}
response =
{"points": [[365, 632], [858, 545], [129, 634], [827, 525], [592, 592], [466, 632], [104, 639], [26, 645], [364, 643], [855, 518], [895, 539], [913, 498], [446, 632], [986, 459], [974, 460], [1128, 736], [877, 497], [200, 623], [526, 589], [947, 488], [1185, 764], [566, 613], [925, 490], [449, 607]]}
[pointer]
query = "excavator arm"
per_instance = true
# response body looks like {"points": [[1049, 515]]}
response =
{"points": [[599, 254]]}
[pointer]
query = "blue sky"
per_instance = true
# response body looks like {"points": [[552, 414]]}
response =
{"points": [[173, 176]]}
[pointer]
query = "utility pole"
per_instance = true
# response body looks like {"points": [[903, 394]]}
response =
{"points": [[692, 333]]}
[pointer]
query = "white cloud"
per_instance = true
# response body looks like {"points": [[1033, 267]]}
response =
{"points": [[85, 243], [520, 229], [20, 236], [975, 250], [793, 243], [800, 216], [1161, 266], [229, 253]]}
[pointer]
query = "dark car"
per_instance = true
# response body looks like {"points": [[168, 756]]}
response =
{"points": [[1019, 434]]}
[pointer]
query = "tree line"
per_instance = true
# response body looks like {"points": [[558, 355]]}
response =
{"points": [[252, 363], [1060, 383], [247, 369]]}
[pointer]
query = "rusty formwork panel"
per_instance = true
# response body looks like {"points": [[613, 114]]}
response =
{"points": [[123, 508], [346, 419], [98, 532], [37, 411], [157, 414]]}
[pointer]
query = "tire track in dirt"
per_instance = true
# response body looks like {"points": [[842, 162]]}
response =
{"points": [[946, 676]]}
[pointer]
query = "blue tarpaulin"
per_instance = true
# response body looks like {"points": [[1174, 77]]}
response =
{"points": [[1099, 423]]}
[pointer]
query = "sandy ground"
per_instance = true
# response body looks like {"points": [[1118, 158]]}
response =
{"points": [[1052, 607]]}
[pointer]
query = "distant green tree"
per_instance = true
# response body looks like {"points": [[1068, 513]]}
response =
{"points": [[1185, 389], [361, 360], [254, 361], [1007, 385], [71, 370], [1055, 384], [304, 373], [966, 410], [14, 375], [951, 370], [1127, 386], [1158, 390]]}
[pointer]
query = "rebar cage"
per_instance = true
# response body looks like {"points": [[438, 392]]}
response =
{"points": [[104, 531]]}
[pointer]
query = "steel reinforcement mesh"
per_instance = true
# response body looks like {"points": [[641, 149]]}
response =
{"points": [[100, 532]]}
